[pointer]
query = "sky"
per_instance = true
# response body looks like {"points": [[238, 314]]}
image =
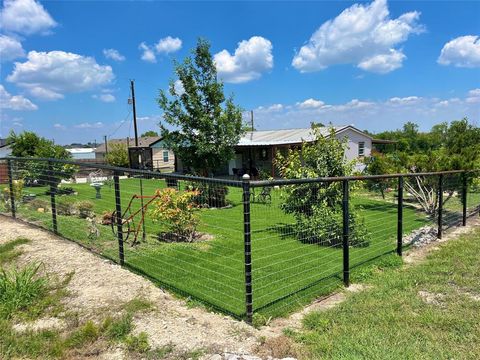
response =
{"points": [[66, 66]]}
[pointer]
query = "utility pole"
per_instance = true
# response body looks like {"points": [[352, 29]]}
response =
{"points": [[106, 145], [251, 119], [132, 88]]}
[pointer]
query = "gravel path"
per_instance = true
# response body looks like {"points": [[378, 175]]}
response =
{"points": [[99, 287]]}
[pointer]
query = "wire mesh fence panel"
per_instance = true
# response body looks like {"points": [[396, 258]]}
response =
{"points": [[189, 237], [373, 219], [296, 246], [473, 193], [452, 200]]}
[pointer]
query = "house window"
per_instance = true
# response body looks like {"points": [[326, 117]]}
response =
{"points": [[361, 148], [165, 156]]}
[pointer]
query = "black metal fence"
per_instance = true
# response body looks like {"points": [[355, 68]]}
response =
{"points": [[240, 247]]}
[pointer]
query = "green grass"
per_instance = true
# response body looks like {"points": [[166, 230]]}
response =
{"points": [[286, 272], [8, 252], [392, 321]]}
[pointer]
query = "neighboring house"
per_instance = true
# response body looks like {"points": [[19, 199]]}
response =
{"points": [[256, 149], [163, 158]]}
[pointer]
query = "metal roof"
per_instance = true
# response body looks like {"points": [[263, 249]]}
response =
{"points": [[283, 137]]}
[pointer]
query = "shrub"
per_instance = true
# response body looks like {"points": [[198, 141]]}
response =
{"points": [[39, 203], [19, 289], [66, 206], [85, 208], [325, 227], [208, 195], [62, 191], [17, 192], [176, 210], [138, 343], [107, 218]]}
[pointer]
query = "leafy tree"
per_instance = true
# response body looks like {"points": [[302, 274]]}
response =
{"points": [[207, 125], [149, 133], [445, 147], [117, 155], [29, 144], [317, 206]]}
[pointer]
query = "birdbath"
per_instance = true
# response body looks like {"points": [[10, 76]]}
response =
{"points": [[97, 186]]}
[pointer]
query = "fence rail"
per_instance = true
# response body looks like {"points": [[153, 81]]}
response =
{"points": [[241, 247]]}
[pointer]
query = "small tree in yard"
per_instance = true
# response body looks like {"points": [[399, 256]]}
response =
{"points": [[207, 125], [117, 155], [317, 207]]}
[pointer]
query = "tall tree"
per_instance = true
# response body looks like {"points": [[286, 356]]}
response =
{"points": [[149, 133], [206, 125]]}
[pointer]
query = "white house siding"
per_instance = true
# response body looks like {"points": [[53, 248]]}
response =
{"points": [[354, 138], [158, 160]]}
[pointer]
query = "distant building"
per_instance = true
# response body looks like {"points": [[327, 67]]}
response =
{"points": [[163, 158]]}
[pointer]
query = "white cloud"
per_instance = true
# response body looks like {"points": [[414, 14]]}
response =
{"points": [[59, 126], [168, 45], [25, 17], [10, 48], [107, 98], [251, 58], [14, 102], [49, 75], [113, 55], [373, 115], [310, 103], [473, 96], [147, 53], [363, 35], [463, 51], [404, 100], [87, 125]]}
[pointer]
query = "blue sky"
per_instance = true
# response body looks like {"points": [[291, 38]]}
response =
{"points": [[66, 65]]}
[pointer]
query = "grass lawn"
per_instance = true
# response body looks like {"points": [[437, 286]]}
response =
{"points": [[426, 311], [286, 272]]}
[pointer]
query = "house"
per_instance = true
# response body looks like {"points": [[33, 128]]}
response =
{"points": [[255, 152], [163, 158]]}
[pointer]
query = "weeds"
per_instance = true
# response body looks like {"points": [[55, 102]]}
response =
{"points": [[20, 288]]}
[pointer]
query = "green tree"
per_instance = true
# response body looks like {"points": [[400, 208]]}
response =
{"points": [[117, 155], [29, 144], [317, 206], [207, 125], [149, 133]]}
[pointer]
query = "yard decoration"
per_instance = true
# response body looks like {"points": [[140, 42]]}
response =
{"points": [[128, 217], [177, 213], [317, 206]]}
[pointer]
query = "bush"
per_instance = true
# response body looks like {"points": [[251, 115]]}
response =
{"points": [[17, 193], [325, 227], [39, 203], [85, 208], [66, 206], [176, 210], [208, 195], [62, 191]]}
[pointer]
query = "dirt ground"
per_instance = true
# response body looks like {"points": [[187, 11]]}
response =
{"points": [[99, 288]]}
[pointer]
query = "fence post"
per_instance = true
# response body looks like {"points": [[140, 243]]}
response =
{"points": [[440, 206], [10, 183], [247, 249], [400, 216], [53, 190], [118, 218], [464, 198], [345, 237]]}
